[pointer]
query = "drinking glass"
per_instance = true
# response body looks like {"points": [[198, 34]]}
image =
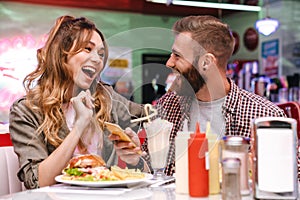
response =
{"points": [[158, 134]]}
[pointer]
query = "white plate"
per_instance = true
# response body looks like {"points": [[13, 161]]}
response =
{"points": [[103, 183]]}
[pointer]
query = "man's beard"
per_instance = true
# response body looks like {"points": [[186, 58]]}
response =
{"points": [[190, 82]]}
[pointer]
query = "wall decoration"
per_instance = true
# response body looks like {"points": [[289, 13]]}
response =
{"points": [[270, 58], [237, 42], [251, 39], [119, 65], [118, 71], [17, 59]]}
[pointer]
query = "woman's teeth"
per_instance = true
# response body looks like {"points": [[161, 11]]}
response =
{"points": [[89, 71]]}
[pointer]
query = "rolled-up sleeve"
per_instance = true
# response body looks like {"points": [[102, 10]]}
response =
{"points": [[30, 147], [124, 111]]}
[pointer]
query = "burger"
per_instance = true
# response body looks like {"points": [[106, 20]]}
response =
{"points": [[86, 161], [91, 167], [87, 167]]}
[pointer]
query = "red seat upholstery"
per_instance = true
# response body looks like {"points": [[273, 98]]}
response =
{"points": [[5, 140], [9, 166], [292, 110]]}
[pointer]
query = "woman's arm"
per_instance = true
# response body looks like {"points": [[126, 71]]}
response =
{"points": [[57, 160], [54, 164], [39, 161], [30, 147]]}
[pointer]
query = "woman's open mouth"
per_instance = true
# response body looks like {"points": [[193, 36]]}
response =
{"points": [[89, 71]]}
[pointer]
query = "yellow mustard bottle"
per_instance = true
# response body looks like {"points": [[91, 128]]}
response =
{"points": [[214, 166]]}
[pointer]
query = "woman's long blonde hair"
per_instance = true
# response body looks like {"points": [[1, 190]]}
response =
{"points": [[49, 85]]}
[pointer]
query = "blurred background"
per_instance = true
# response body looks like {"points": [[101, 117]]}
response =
{"points": [[139, 37]]}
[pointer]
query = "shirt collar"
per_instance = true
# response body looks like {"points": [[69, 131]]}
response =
{"points": [[231, 100]]}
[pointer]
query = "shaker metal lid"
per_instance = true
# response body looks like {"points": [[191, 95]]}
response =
{"points": [[235, 140], [231, 162]]}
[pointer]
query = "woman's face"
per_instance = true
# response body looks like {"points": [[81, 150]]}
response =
{"points": [[87, 64]]}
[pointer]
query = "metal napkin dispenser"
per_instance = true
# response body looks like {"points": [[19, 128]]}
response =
{"points": [[274, 158]]}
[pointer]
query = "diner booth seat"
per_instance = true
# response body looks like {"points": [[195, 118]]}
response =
{"points": [[9, 165], [292, 110]]}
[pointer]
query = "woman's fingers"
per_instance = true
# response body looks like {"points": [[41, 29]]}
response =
{"points": [[134, 137], [89, 100], [124, 148], [85, 98]]}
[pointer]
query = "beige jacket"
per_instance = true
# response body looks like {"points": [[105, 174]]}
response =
{"points": [[32, 148]]}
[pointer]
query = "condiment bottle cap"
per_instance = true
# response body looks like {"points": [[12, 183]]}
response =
{"points": [[197, 133], [231, 162], [235, 140]]}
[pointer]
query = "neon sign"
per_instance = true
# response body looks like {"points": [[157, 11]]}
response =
{"points": [[17, 59]]}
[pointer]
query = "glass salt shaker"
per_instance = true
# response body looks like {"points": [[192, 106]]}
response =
{"points": [[231, 179], [237, 147]]}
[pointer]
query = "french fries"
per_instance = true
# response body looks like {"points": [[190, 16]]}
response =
{"points": [[127, 174]]}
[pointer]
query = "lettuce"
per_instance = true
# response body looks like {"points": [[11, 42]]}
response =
{"points": [[73, 172]]}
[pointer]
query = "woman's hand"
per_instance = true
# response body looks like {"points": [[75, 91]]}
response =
{"points": [[126, 150], [84, 109]]}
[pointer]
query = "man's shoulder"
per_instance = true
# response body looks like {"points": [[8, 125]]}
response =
{"points": [[246, 96], [257, 102], [255, 98], [171, 102], [171, 98]]}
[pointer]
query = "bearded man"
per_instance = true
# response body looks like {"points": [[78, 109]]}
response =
{"points": [[202, 92]]}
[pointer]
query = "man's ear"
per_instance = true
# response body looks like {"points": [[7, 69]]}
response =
{"points": [[208, 60]]}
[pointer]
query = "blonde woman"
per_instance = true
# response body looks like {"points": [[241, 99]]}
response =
{"points": [[60, 113]]}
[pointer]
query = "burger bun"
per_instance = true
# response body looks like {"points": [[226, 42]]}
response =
{"points": [[86, 161]]}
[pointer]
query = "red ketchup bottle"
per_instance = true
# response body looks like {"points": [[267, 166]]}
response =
{"points": [[198, 164]]}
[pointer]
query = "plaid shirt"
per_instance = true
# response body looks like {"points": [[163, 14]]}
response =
{"points": [[239, 108]]}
